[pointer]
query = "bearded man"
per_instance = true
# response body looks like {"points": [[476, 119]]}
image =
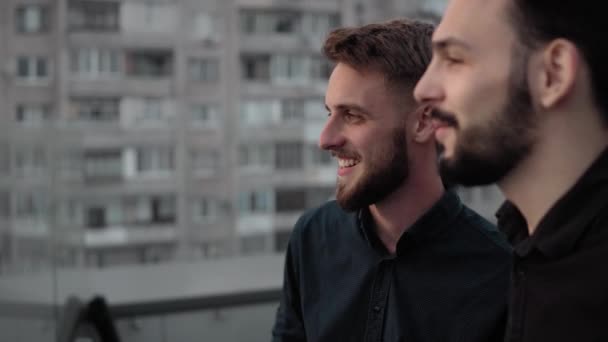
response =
{"points": [[395, 257], [519, 90]]}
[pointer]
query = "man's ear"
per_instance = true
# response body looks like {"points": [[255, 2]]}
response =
{"points": [[557, 72], [423, 127]]}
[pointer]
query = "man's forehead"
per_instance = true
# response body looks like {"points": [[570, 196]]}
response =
{"points": [[466, 20]]}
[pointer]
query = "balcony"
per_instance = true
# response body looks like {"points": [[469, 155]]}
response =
{"points": [[148, 72], [103, 166], [93, 16], [117, 236]]}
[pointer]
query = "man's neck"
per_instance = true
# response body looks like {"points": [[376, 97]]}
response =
{"points": [[403, 207], [563, 154]]}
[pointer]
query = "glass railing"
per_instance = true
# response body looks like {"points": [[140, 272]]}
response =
{"points": [[231, 299]]}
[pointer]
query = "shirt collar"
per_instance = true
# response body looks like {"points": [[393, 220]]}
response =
{"points": [[431, 223], [560, 229]]}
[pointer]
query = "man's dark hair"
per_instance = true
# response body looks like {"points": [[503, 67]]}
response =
{"points": [[582, 22], [399, 49]]}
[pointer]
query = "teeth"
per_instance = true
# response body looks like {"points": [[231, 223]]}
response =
{"points": [[347, 162]]}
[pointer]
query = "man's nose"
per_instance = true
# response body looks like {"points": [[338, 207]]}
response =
{"points": [[331, 137]]}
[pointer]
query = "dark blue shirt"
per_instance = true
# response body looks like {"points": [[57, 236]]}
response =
{"points": [[448, 280]]}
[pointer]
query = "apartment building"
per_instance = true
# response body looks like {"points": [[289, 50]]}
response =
{"points": [[143, 131]]}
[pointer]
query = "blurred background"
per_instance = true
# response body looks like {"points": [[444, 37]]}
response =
{"points": [[156, 154]]}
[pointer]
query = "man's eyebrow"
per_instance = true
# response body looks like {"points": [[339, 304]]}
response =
{"points": [[346, 106], [444, 43]]}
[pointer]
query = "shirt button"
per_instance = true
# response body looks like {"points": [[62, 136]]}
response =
{"points": [[376, 308]]}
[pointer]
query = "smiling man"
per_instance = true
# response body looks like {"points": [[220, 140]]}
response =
{"points": [[519, 94], [394, 257]]}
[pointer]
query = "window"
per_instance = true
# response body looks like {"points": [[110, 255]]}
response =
{"points": [[95, 63], [30, 162], [317, 196], [288, 22], [214, 249], [253, 244], [102, 165], [281, 240], [293, 68], [95, 109], [32, 114], [248, 22], [155, 12], [320, 69], [259, 112], [285, 68], [93, 15], [292, 110], [5, 163], [259, 201], [96, 217], [288, 156], [154, 160], [32, 68], [32, 18], [101, 213], [281, 22], [71, 212], [71, 165], [148, 112], [204, 210], [204, 162], [256, 67], [256, 155], [433, 6], [29, 205], [203, 70], [152, 110], [319, 24], [136, 210], [5, 205], [314, 109], [153, 64], [163, 209], [207, 27], [290, 200], [321, 157], [204, 114]]}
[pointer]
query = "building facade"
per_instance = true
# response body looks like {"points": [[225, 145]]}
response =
{"points": [[143, 131]]}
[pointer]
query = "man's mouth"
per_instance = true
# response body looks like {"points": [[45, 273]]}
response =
{"points": [[344, 163], [443, 119]]}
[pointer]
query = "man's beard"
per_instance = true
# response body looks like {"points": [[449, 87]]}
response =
{"points": [[486, 153], [388, 168]]}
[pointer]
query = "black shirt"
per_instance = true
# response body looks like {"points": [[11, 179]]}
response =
{"points": [[447, 282], [559, 290]]}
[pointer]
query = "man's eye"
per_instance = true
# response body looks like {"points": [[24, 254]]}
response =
{"points": [[350, 117], [452, 60]]}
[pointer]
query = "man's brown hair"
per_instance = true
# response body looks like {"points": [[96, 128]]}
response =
{"points": [[399, 49]]}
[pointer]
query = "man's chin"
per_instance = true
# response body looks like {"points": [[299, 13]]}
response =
{"points": [[472, 172], [348, 203]]}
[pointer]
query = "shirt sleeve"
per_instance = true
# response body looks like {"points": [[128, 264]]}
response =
{"points": [[289, 325]]}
